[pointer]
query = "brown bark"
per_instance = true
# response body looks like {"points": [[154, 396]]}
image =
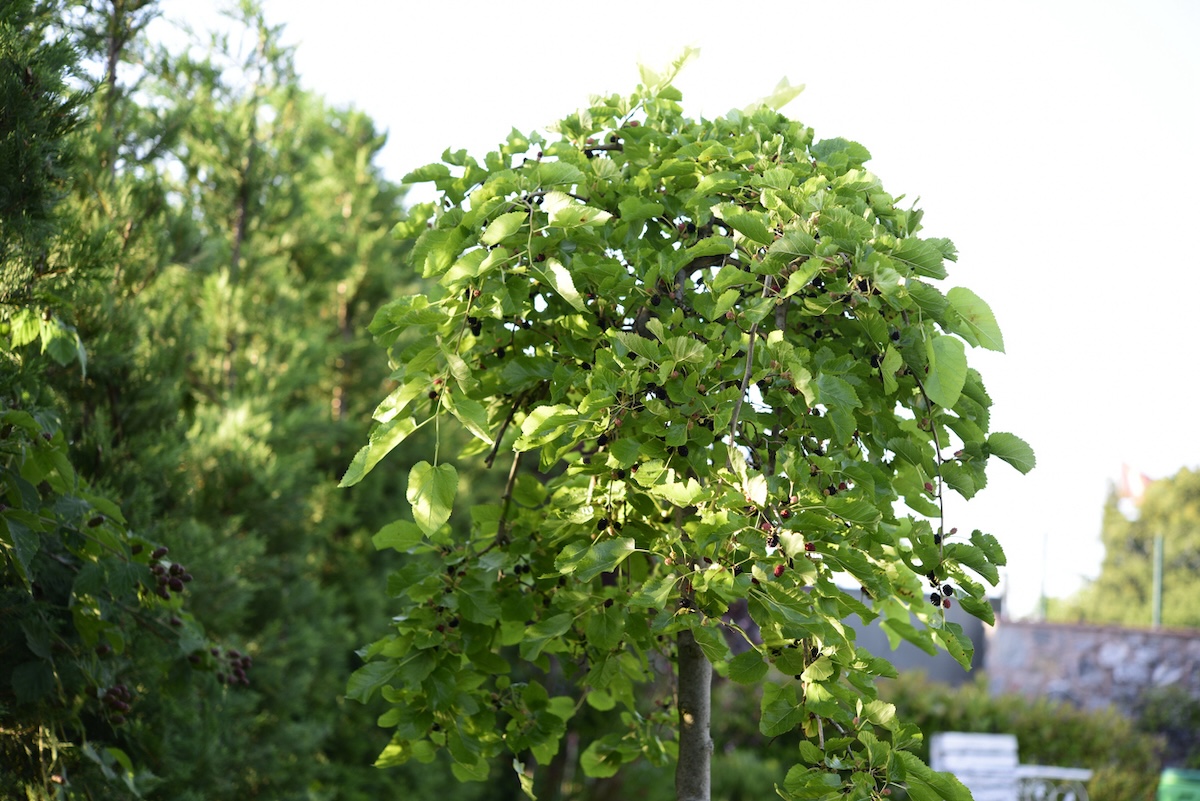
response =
{"points": [[693, 771]]}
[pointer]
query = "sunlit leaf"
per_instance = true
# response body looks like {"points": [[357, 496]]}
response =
{"points": [[431, 492]]}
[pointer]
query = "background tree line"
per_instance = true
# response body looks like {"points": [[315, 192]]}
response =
{"points": [[193, 246]]}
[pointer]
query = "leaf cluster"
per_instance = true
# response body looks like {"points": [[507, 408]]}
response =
{"points": [[715, 359]]}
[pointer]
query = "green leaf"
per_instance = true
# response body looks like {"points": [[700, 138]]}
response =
{"points": [[635, 209], [32, 681], [471, 414], [1013, 450], [801, 278], [367, 679], [555, 173], [430, 172], [601, 759], [730, 276], [588, 560], [923, 257], [780, 711], [560, 278], [431, 492], [957, 644], [541, 633], [524, 779], [947, 371], [836, 393], [385, 437], [566, 212], [709, 246], [400, 535], [852, 153], [973, 558], [990, 546], [747, 223], [504, 226], [605, 627], [783, 94], [818, 670], [748, 667], [924, 784], [24, 543], [979, 325]]}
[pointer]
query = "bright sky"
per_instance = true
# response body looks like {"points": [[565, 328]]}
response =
{"points": [[1055, 143]]}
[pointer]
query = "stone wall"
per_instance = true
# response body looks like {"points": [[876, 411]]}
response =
{"points": [[1090, 666]]}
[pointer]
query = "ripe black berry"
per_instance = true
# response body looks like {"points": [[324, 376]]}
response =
{"points": [[159, 552], [682, 450], [602, 524], [935, 598], [895, 336], [947, 590], [655, 300], [602, 440], [937, 539]]}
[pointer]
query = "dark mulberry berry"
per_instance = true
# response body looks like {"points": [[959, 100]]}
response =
{"points": [[935, 599], [947, 590]]}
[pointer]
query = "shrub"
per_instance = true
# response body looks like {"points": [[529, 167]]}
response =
{"points": [[1125, 760]]}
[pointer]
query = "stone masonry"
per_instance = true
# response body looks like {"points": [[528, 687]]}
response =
{"points": [[1090, 666]]}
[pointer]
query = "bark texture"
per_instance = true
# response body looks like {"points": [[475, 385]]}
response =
{"points": [[693, 772]]}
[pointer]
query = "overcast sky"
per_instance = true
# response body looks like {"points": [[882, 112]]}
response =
{"points": [[1054, 142]]}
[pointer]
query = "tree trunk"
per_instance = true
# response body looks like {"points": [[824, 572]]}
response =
{"points": [[693, 771]]}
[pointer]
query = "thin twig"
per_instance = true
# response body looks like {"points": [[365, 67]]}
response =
{"points": [[737, 407], [491, 457], [502, 528]]}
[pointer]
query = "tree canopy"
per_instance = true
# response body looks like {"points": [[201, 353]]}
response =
{"points": [[714, 362], [1123, 591]]}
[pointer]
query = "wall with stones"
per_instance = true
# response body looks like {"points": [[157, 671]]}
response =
{"points": [[1090, 666]]}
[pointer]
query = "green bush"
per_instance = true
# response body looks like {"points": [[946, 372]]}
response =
{"points": [[1172, 713], [1125, 761]]}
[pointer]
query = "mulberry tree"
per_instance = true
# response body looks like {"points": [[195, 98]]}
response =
{"points": [[729, 397]]}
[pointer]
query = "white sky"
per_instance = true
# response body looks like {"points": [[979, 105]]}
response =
{"points": [[1055, 143]]}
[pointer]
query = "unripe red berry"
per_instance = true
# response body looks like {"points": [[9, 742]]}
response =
{"points": [[779, 570]]}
